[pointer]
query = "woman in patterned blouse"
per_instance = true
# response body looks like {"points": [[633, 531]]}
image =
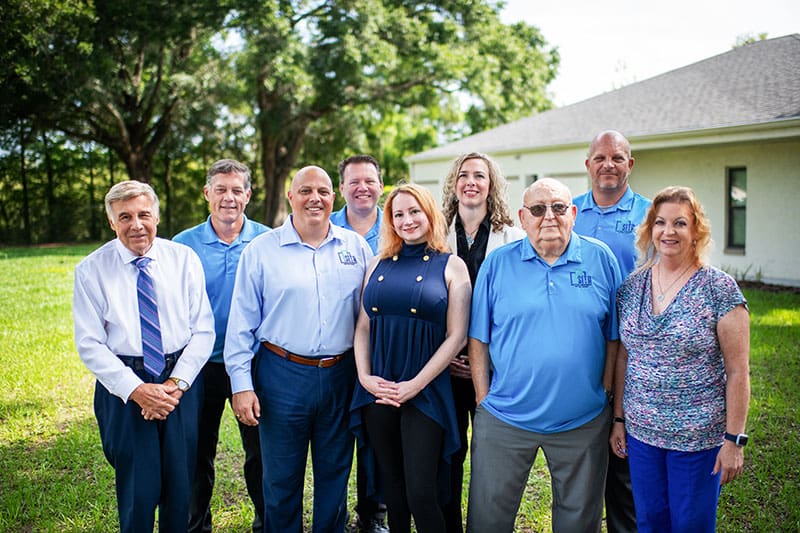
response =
{"points": [[685, 334]]}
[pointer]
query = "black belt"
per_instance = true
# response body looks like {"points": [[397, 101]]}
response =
{"points": [[137, 363]]}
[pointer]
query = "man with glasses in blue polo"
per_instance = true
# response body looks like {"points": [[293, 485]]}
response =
{"points": [[543, 324]]}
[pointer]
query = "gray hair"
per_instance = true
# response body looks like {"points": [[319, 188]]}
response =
{"points": [[125, 190], [229, 166]]}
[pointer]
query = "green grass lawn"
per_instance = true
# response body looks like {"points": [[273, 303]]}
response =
{"points": [[53, 476]]}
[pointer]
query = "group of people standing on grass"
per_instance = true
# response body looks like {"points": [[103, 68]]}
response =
{"points": [[597, 333]]}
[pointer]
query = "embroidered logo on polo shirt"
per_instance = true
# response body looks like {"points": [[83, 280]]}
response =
{"points": [[346, 258], [580, 279], [625, 226]]}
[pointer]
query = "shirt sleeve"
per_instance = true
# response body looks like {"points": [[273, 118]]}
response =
{"points": [[726, 292], [89, 309], [480, 314], [243, 321]]}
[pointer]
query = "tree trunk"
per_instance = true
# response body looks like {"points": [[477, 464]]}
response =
{"points": [[23, 174], [279, 151], [50, 195], [167, 196], [94, 228]]}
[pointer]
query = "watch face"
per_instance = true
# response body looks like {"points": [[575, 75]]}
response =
{"points": [[741, 440]]}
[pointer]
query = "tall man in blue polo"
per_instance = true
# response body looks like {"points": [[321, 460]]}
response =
{"points": [[289, 353], [544, 321], [144, 328], [361, 184], [611, 212], [219, 242]]}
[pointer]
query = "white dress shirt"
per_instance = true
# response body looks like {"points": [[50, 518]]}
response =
{"points": [[106, 311]]}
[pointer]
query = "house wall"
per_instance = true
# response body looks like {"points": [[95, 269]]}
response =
{"points": [[772, 251]]}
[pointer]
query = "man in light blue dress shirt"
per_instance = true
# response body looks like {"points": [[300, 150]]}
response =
{"points": [[148, 423], [611, 212], [219, 242], [289, 353]]}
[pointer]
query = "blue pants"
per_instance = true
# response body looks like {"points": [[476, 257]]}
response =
{"points": [[153, 460], [301, 406], [673, 490]]}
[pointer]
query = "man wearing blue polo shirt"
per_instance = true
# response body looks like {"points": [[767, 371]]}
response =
{"points": [[544, 321], [611, 212], [219, 242], [361, 184], [289, 352]]}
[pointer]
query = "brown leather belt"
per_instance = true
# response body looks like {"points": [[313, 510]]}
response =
{"points": [[321, 362]]}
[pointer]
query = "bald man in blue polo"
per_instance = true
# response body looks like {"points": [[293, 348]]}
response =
{"points": [[544, 321], [611, 212]]}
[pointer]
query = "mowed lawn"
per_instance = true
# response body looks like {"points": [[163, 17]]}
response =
{"points": [[53, 476]]}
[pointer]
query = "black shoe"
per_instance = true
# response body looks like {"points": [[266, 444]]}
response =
{"points": [[373, 525]]}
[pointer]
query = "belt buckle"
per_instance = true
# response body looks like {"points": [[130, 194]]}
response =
{"points": [[321, 363]]}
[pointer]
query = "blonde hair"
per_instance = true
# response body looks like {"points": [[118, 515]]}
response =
{"points": [[436, 238], [496, 204], [702, 226]]}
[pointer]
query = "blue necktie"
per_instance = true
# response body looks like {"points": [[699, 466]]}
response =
{"points": [[148, 316]]}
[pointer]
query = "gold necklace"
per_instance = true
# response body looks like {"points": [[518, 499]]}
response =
{"points": [[660, 295]]}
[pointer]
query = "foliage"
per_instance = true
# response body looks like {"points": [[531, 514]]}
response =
{"points": [[310, 61], [165, 88], [122, 70], [50, 449], [749, 38]]}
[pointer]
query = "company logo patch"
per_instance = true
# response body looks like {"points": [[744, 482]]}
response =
{"points": [[625, 226], [346, 258], [580, 279]]}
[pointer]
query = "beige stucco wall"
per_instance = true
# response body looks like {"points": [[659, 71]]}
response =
{"points": [[773, 197]]}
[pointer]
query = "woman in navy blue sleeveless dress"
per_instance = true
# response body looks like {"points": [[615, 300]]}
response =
{"points": [[413, 321]]}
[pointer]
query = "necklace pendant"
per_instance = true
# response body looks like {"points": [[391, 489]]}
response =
{"points": [[660, 297]]}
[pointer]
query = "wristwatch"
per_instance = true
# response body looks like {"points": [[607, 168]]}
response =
{"points": [[182, 385], [740, 439]]}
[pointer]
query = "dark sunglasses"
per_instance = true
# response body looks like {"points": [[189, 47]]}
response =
{"points": [[539, 210]]}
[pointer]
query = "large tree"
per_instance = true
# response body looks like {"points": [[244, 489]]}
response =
{"points": [[115, 74], [308, 60]]}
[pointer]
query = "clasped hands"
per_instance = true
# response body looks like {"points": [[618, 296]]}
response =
{"points": [[157, 400], [394, 393]]}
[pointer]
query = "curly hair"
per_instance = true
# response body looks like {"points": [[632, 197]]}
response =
{"points": [[702, 226], [496, 204], [391, 243]]}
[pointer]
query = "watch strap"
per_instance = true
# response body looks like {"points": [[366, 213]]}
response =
{"points": [[739, 439]]}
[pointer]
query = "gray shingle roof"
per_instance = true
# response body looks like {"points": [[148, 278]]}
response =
{"points": [[753, 84]]}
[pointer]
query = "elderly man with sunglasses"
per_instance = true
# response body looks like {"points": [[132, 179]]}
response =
{"points": [[544, 321]]}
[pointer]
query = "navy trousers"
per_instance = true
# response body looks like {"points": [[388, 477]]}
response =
{"points": [[304, 406], [153, 460]]}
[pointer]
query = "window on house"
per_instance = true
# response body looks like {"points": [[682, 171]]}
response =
{"points": [[737, 208]]}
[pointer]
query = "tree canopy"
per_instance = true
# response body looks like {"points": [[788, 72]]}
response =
{"points": [[152, 83]]}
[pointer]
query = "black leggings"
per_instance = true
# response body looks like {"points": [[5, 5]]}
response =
{"points": [[407, 444]]}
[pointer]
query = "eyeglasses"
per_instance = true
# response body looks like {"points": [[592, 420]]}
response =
{"points": [[539, 210]]}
